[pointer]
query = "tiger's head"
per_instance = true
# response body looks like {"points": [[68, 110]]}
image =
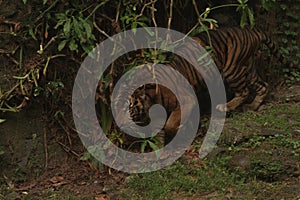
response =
{"points": [[139, 105]]}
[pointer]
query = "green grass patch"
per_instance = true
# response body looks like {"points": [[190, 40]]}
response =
{"points": [[179, 179], [270, 138]]}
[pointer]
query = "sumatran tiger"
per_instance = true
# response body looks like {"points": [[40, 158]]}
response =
{"points": [[232, 50]]}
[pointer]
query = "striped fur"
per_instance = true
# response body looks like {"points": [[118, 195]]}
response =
{"points": [[233, 51]]}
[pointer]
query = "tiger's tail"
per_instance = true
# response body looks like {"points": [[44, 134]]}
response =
{"points": [[273, 47]]}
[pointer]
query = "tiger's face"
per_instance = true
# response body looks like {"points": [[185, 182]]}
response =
{"points": [[139, 105]]}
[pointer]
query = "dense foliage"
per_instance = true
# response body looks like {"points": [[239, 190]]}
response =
{"points": [[45, 41]]}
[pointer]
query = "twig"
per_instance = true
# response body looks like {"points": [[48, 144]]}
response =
{"points": [[105, 34], [101, 31], [118, 12], [50, 42], [171, 15], [152, 13], [8, 54], [156, 35], [144, 7], [13, 59], [8, 22], [106, 17], [197, 11], [45, 148], [68, 150], [6, 94], [168, 38], [66, 131]]}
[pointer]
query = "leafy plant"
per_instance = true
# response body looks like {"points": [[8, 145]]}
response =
{"points": [[246, 13], [75, 30], [151, 142], [88, 156], [268, 4], [288, 40]]}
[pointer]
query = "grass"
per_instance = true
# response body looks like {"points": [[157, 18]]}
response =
{"points": [[271, 142], [270, 155], [181, 179]]}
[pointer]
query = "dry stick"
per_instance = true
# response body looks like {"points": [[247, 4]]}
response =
{"points": [[12, 59], [171, 15], [169, 21], [152, 13], [155, 24], [7, 53], [144, 7], [50, 42], [106, 35], [106, 17], [45, 148], [68, 150], [196, 9], [66, 131], [6, 94], [100, 30], [155, 47], [118, 12]]}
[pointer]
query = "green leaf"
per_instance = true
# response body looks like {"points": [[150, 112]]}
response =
{"points": [[143, 146], [149, 31], [144, 19], [142, 24], [85, 156], [67, 27], [59, 23], [31, 33], [44, 2], [61, 17], [2, 121], [284, 40], [251, 17], [243, 19], [153, 146], [62, 45], [88, 28], [73, 46], [77, 28], [24, 1], [133, 27], [87, 47]]}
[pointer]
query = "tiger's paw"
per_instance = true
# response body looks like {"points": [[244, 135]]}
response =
{"points": [[222, 107]]}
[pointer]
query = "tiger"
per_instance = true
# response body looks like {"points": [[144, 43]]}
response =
{"points": [[233, 50]]}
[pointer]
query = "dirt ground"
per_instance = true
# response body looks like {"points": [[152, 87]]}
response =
{"points": [[36, 165]]}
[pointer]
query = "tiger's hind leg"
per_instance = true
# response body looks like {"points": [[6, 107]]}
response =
{"points": [[261, 90]]}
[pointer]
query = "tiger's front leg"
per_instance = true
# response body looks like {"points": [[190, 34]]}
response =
{"points": [[239, 98], [179, 117], [171, 127]]}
